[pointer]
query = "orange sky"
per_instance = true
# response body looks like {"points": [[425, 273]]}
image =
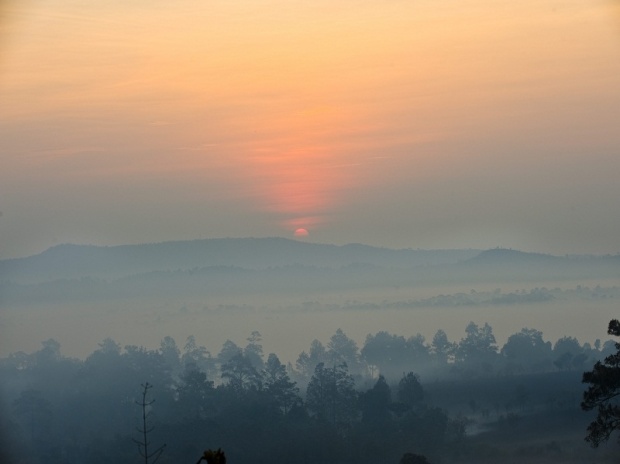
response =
{"points": [[409, 124]]}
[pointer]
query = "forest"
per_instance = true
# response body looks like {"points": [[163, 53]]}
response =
{"points": [[467, 400]]}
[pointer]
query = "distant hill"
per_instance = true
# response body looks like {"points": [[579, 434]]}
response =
{"points": [[503, 256], [514, 264], [76, 261], [275, 266]]}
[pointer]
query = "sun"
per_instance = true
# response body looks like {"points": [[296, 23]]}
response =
{"points": [[301, 232]]}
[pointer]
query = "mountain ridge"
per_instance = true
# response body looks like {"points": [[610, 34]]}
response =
{"points": [[72, 261], [275, 266]]}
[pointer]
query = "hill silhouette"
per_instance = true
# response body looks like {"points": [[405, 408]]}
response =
{"points": [[274, 266], [75, 261]]}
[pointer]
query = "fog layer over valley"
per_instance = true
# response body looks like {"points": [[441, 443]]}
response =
{"points": [[457, 355], [293, 292]]}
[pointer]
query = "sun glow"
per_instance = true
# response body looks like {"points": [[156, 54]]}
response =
{"points": [[299, 114], [297, 168]]}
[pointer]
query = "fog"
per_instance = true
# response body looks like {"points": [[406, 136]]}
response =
{"points": [[456, 355], [288, 326], [293, 292], [450, 355]]}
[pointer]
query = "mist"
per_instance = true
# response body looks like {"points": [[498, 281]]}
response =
{"points": [[282, 288], [377, 319]]}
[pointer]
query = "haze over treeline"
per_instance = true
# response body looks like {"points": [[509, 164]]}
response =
{"points": [[467, 400], [280, 349], [275, 285]]}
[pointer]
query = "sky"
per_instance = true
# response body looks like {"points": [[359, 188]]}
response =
{"points": [[402, 124]]}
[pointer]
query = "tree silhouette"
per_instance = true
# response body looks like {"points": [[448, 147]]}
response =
{"points": [[410, 391], [342, 349], [254, 350], [331, 394], [442, 349], [603, 393], [478, 350], [386, 352], [198, 357], [527, 351], [307, 362], [143, 446], [213, 457], [375, 403], [195, 393], [241, 374], [36, 412], [229, 350], [279, 385], [171, 354]]}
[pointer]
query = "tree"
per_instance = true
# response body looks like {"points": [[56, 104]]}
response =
{"points": [[331, 394], [254, 350], [342, 349], [171, 354], [569, 354], [106, 358], [410, 391], [109, 346], [425, 429], [393, 354], [49, 353], [36, 412], [307, 362], [143, 444], [442, 349], [105, 378], [385, 351], [229, 350], [213, 457], [603, 393], [241, 374], [278, 384], [147, 364], [478, 350], [375, 403], [417, 351], [526, 350], [195, 393], [197, 357]]}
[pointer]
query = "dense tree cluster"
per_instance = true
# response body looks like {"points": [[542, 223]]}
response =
{"points": [[339, 403], [603, 393]]}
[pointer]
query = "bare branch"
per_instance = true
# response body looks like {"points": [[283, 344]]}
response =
{"points": [[143, 446]]}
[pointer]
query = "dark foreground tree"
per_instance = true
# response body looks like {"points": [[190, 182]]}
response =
{"points": [[410, 391], [331, 395], [603, 394], [278, 385], [36, 413], [241, 375], [143, 443], [375, 404], [213, 457]]}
